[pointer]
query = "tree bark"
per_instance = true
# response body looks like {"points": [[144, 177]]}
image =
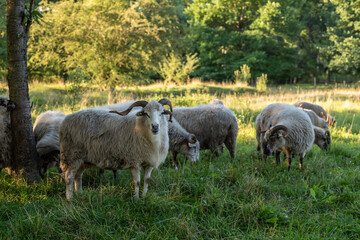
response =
{"points": [[25, 157]]}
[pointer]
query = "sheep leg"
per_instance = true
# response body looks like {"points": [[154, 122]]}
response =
{"points": [[288, 155], [301, 157], [136, 179], [277, 157], [69, 180], [78, 179], [147, 174], [174, 162]]}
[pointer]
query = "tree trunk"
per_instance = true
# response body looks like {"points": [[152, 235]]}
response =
{"points": [[25, 157]]}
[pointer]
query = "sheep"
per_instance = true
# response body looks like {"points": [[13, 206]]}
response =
{"points": [[109, 139], [289, 129], [216, 101], [212, 124], [6, 106], [320, 134], [180, 141], [322, 137], [318, 110], [46, 131]]}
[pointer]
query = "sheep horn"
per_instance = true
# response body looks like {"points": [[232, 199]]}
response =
{"points": [[191, 138], [166, 101], [135, 104], [169, 113], [277, 128]]}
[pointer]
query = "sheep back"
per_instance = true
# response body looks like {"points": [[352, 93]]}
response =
{"points": [[212, 124]]}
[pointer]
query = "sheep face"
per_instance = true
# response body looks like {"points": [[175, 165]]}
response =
{"points": [[152, 116], [191, 148], [274, 139]]}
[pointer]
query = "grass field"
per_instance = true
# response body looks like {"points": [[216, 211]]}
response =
{"points": [[212, 199]]}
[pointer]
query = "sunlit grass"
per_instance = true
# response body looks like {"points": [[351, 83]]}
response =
{"points": [[220, 198]]}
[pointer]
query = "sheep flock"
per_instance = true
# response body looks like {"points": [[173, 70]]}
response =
{"points": [[138, 135]]}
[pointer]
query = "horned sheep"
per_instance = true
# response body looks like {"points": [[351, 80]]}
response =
{"points": [[180, 140], [110, 139], [46, 131], [318, 110], [288, 129], [321, 127], [212, 124], [6, 106]]}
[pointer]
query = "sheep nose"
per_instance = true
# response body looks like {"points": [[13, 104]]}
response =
{"points": [[155, 128]]}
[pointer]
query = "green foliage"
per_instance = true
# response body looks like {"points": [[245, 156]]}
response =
{"points": [[345, 37], [177, 70], [261, 83], [115, 42], [243, 76]]}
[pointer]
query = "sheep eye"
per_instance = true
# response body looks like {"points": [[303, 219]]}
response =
{"points": [[142, 114]]}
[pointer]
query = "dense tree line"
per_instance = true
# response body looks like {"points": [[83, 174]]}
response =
{"points": [[116, 42]]}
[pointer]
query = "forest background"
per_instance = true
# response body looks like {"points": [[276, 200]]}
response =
{"points": [[115, 43]]}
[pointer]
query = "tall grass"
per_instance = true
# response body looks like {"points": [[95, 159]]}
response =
{"points": [[220, 198]]}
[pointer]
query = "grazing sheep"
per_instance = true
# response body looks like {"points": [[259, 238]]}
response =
{"points": [[180, 141], [315, 119], [46, 131], [322, 138], [109, 139], [288, 129], [212, 124], [320, 123], [261, 124], [318, 110], [6, 106]]}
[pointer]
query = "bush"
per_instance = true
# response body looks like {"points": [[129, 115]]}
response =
{"points": [[261, 83], [175, 69], [243, 76]]}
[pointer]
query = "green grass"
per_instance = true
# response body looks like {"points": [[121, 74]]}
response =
{"points": [[220, 198]]}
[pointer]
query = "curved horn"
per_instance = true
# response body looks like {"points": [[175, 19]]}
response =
{"points": [[166, 101], [169, 113], [191, 138], [135, 104], [277, 128]]}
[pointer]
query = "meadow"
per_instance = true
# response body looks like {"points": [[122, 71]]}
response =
{"points": [[214, 198]]}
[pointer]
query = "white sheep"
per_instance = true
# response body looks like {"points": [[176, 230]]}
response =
{"points": [[109, 139], [180, 140], [46, 131], [320, 134], [318, 110], [6, 106], [212, 124], [290, 130]]}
